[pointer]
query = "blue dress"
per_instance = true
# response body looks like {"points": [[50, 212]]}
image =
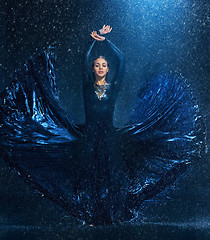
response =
{"points": [[96, 172]]}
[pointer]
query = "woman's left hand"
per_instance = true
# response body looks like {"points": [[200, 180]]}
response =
{"points": [[106, 29], [96, 36]]}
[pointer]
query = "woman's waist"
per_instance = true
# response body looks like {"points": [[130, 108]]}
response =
{"points": [[101, 112]]}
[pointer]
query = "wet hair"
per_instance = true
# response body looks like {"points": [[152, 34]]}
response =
{"points": [[100, 57]]}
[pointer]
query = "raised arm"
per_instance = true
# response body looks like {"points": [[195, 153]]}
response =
{"points": [[120, 64], [87, 60]]}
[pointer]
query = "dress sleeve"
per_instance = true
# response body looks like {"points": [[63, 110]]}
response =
{"points": [[87, 60], [120, 64]]}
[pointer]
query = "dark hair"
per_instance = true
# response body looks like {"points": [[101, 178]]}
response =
{"points": [[100, 57]]}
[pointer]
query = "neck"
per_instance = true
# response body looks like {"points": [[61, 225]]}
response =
{"points": [[101, 81]]}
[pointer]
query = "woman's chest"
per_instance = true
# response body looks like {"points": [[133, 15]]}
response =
{"points": [[98, 101]]}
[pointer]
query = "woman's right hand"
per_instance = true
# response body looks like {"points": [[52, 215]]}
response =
{"points": [[96, 36]]}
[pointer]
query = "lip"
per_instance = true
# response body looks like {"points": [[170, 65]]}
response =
{"points": [[100, 72]]}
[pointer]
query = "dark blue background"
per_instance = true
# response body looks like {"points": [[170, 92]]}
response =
{"points": [[152, 35]]}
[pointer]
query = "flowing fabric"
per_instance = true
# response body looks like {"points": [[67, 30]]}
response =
{"points": [[98, 173]]}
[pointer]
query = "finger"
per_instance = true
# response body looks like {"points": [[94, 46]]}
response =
{"points": [[97, 36], [93, 35]]}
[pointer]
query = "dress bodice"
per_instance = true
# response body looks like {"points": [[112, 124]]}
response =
{"points": [[99, 111]]}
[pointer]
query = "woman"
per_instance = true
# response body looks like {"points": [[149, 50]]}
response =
{"points": [[100, 175], [100, 93]]}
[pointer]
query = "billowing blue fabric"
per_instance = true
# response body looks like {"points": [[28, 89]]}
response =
{"points": [[98, 173], [165, 133]]}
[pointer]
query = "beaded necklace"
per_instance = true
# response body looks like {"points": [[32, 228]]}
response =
{"points": [[100, 90]]}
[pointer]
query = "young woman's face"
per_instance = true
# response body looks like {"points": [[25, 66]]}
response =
{"points": [[100, 68]]}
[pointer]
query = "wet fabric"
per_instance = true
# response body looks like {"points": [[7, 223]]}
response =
{"points": [[96, 172]]}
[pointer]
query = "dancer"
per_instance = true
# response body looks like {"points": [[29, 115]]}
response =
{"points": [[98, 173]]}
